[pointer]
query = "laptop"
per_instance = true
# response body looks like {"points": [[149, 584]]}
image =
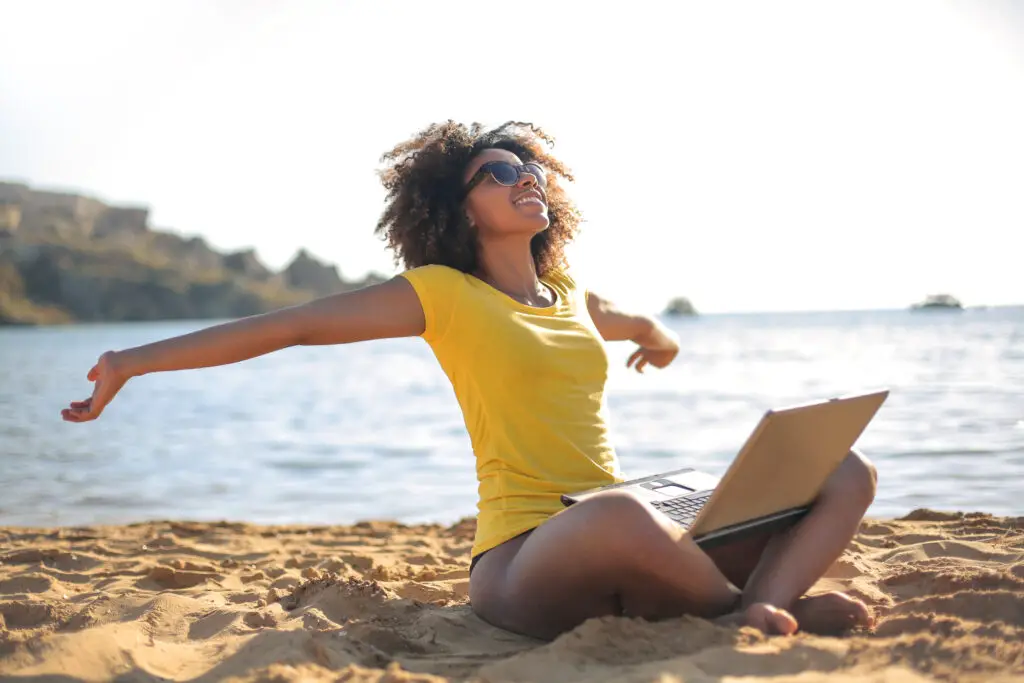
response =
{"points": [[773, 480]]}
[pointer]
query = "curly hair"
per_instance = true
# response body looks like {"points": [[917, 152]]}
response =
{"points": [[424, 221]]}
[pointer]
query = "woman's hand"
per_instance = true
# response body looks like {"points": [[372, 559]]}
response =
{"points": [[659, 358], [107, 376], [658, 346]]}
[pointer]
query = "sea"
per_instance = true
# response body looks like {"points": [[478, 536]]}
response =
{"points": [[334, 435]]}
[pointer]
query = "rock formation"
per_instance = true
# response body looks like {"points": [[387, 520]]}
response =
{"points": [[680, 306], [66, 258], [247, 264], [938, 302]]}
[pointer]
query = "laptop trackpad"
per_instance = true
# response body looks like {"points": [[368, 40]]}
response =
{"points": [[670, 489], [694, 481]]}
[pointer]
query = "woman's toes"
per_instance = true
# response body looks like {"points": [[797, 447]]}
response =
{"points": [[831, 613], [770, 619]]}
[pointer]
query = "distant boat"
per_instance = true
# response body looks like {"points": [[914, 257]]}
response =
{"points": [[938, 302], [680, 306]]}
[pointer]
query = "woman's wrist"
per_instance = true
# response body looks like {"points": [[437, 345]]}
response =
{"points": [[657, 337], [129, 362]]}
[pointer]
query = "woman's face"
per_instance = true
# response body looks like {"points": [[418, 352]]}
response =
{"points": [[497, 210]]}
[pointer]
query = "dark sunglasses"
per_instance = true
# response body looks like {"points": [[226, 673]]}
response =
{"points": [[506, 174]]}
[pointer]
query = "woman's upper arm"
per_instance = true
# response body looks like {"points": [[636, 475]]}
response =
{"points": [[613, 324], [389, 309]]}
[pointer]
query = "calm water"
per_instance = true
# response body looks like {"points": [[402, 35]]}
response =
{"points": [[337, 434]]}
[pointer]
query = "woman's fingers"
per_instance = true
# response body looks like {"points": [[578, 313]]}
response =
{"points": [[639, 358], [77, 410], [642, 357], [73, 415], [641, 361], [106, 383]]}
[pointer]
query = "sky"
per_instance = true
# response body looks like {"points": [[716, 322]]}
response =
{"points": [[751, 156]]}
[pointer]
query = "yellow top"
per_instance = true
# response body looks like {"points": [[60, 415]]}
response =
{"points": [[530, 382]]}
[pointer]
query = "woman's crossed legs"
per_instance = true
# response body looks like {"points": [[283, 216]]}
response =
{"points": [[613, 555]]}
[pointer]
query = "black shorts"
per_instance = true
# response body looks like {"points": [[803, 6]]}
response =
{"points": [[476, 558], [472, 563]]}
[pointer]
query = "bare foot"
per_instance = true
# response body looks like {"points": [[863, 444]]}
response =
{"points": [[831, 613], [764, 617]]}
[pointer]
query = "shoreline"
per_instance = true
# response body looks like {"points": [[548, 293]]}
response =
{"points": [[381, 600]]}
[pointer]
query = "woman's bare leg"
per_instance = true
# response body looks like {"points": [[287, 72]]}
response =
{"points": [[614, 555], [610, 555], [795, 560]]}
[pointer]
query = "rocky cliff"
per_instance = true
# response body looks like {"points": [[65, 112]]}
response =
{"points": [[67, 258]]}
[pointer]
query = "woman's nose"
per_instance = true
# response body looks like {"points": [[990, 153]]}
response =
{"points": [[527, 179]]}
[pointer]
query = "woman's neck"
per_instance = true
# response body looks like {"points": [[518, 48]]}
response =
{"points": [[513, 273]]}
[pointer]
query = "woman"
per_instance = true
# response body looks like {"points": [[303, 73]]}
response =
{"points": [[480, 222]]}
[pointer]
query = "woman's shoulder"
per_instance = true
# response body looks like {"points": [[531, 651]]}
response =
{"points": [[439, 289], [435, 270], [434, 275]]}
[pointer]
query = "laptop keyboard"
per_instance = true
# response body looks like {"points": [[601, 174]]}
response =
{"points": [[684, 509]]}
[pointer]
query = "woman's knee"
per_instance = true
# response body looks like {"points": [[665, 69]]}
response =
{"points": [[620, 521], [856, 479]]}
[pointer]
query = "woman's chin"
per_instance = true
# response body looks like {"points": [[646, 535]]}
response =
{"points": [[538, 222], [524, 224]]}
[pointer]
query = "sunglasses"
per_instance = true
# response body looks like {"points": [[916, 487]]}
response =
{"points": [[506, 174]]}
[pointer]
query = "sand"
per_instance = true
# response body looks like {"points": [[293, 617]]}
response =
{"points": [[380, 601]]}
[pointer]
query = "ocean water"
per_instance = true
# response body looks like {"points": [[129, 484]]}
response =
{"points": [[372, 430]]}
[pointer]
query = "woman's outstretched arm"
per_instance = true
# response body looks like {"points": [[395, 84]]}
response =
{"points": [[390, 309], [657, 345]]}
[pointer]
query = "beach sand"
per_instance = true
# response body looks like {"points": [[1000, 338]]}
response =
{"points": [[380, 601]]}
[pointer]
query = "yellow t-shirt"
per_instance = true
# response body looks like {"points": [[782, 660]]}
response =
{"points": [[530, 382]]}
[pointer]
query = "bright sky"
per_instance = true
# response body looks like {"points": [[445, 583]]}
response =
{"points": [[749, 155]]}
